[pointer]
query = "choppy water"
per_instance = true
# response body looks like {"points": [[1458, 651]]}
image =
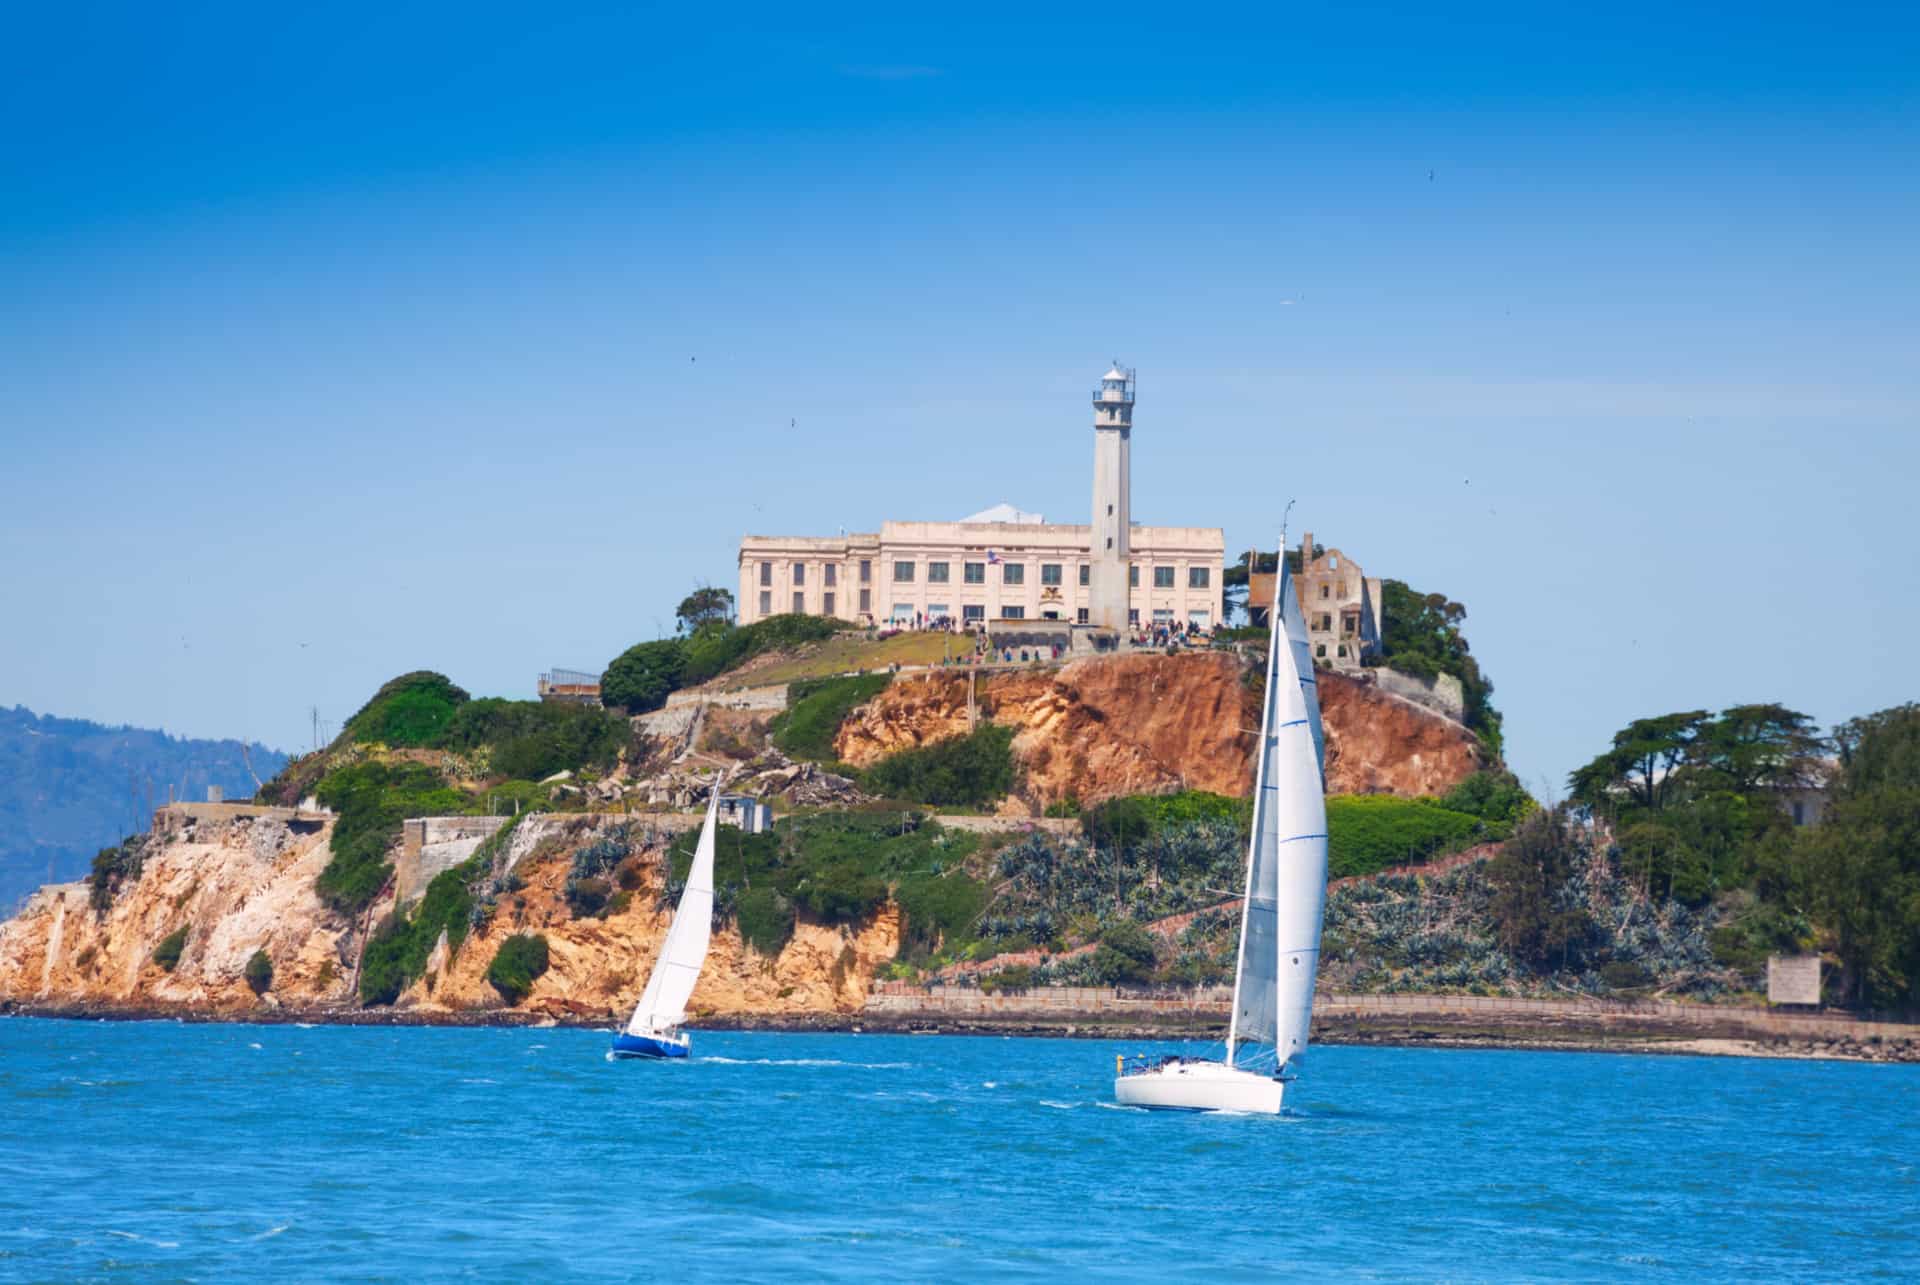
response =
{"points": [[164, 1151]]}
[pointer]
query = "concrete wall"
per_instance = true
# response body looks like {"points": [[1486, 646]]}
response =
{"points": [[772, 699], [432, 845], [1444, 695]]}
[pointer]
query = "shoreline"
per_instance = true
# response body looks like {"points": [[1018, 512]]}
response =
{"points": [[1400, 1031]]}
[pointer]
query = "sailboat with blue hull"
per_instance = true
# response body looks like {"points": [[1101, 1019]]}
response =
{"points": [[654, 1029], [1281, 910]]}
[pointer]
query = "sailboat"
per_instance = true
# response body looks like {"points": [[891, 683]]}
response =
{"points": [[1281, 909], [654, 1029]]}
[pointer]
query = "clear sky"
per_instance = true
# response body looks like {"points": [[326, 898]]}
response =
{"points": [[338, 341]]}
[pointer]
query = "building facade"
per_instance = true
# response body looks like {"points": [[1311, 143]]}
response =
{"points": [[1340, 601], [1003, 564], [973, 571]]}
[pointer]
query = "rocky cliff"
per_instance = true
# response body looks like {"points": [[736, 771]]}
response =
{"points": [[245, 885], [1144, 724]]}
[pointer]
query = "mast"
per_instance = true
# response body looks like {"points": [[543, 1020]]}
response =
{"points": [[1275, 629]]}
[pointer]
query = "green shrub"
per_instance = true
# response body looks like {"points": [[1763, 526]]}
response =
{"points": [[1369, 832], [1623, 975], [520, 961], [1014, 977], [588, 898], [1494, 795], [113, 867], [1126, 953], [963, 771], [816, 709], [372, 799], [411, 710], [641, 677], [167, 953], [1134, 818], [260, 973], [534, 739], [766, 920], [938, 909]]}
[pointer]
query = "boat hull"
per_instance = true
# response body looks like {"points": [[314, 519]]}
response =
{"points": [[655, 1047], [1200, 1086]]}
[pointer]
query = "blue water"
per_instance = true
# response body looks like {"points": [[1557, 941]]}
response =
{"points": [[163, 1151]]}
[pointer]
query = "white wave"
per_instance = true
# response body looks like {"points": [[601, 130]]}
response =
{"points": [[806, 1061], [253, 1046], [479, 1080], [270, 1232], [305, 1026], [1118, 1106], [1061, 1106], [144, 1240], [990, 1084]]}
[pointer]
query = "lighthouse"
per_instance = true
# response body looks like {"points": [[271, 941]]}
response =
{"points": [[1109, 551]]}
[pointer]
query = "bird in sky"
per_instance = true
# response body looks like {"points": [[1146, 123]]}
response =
{"points": [[1429, 176]]}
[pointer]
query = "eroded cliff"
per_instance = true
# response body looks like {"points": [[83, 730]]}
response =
{"points": [[1144, 724]]}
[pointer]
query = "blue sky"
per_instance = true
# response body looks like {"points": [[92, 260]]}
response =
{"points": [[343, 343]]}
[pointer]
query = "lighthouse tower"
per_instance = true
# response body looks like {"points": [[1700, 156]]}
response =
{"points": [[1109, 551]]}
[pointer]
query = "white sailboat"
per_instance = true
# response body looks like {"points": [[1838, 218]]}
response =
{"points": [[1281, 910], [654, 1029]]}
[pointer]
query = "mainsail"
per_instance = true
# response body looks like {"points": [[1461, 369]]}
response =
{"points": [[1287, 860], [663, 1005]]}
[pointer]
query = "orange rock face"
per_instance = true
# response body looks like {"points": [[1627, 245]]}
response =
{"points": [[1147, 724], [1378, 743]]}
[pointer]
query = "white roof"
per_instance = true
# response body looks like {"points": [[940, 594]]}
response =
{"points": [[1006, 513], [1115, 373]]}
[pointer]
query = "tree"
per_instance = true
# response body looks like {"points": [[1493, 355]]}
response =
{"points": [[1861, 866], [1528, 877], [1755, 748], [1423, 637], [1642, 766], [1126, 953], [702, 605], [521, 961], [640, 677]]}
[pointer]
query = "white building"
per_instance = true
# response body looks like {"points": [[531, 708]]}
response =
{"points": [[1003, 564]]}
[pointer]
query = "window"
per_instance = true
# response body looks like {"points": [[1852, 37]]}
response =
{"points": [[799, 602], [973, 572], [1109, 510], [1333, 563], [1163, 577], [903, 573], [902, 613], [1013, 613], [1799, 814], [799, 573], [866, 571], [1085, 572], [973, 612], [1343, 589], [1323, 591], [1109, 542], [833, 574], [1050, 573], [866, 601], [766, 573], [1133, 615], [1198, 619], [1198, 577], [766, 602], [826, 601], [1133, 576], [1012, 573], [937, 573], [1322, 622], [1320, 651], [1163, 615], [938, 611], [1343, 651], [1080, 616]]}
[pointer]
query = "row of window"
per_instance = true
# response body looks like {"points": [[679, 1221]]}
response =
{"points": [[826, 602], [831, 572], [1015, 573]]}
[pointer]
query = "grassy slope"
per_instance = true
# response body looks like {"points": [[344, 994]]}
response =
{"points": [[848, 652]]}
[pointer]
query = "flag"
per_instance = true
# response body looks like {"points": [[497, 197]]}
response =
{"points": [[992, 557]]}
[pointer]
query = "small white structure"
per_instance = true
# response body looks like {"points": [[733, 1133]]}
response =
{"points": [[744, 812], [1793, 979]]}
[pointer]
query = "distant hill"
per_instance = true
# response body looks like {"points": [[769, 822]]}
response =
{"points": [[69, 787]]}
